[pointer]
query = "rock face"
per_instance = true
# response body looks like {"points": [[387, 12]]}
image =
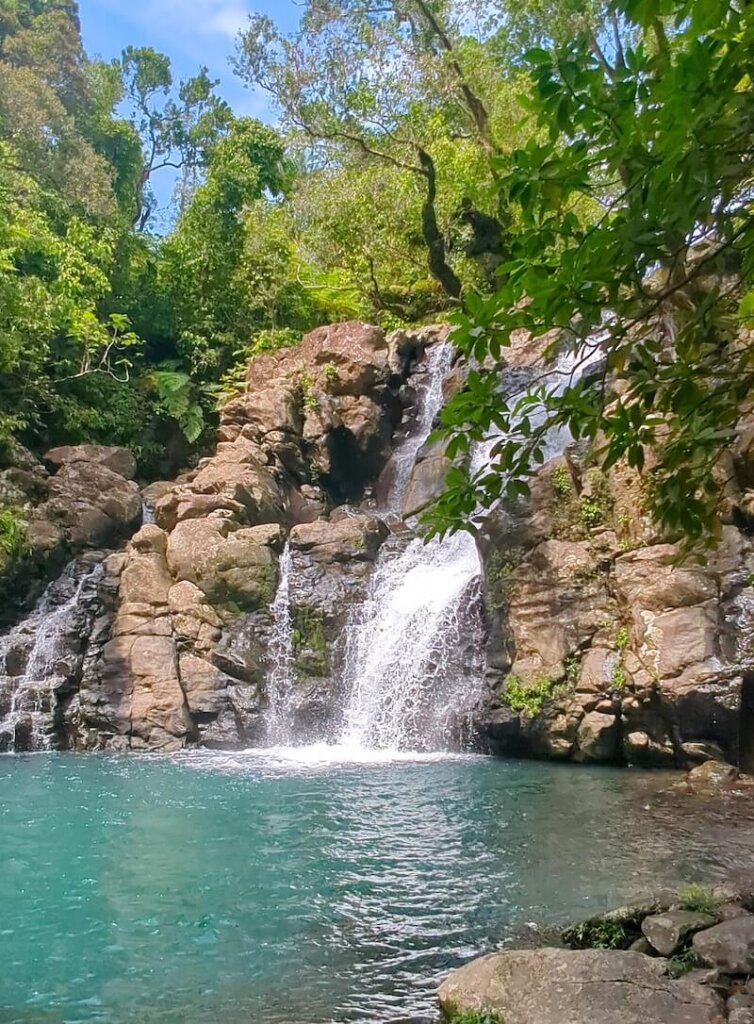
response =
{"points": [[601, 644], [554, 986], [605, 644], [82, 498], [184, 645]]}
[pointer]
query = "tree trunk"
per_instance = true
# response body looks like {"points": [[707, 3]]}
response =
{"points": [[433, 238]]}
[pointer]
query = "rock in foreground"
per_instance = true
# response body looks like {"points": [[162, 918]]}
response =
{"points": [[558, 986]]}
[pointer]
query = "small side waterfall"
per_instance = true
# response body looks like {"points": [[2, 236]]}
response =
{"points": [[439, 362], [280, 678], [31, 660]]}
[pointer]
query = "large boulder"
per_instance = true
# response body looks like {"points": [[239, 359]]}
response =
{"points": [[92, 504], [667, 932], [118, 460], [427, 481], [728, 946], [352, 537], [597, 737], [555, 986], [352, 358], [226, 564]]}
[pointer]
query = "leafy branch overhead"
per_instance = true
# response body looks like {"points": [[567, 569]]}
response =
{"points": [[632, 241]]}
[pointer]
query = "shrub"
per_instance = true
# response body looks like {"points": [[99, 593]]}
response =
{"points": [[561, 481], [699, 898], [529, 698], [475, 1017], [618, 678], [13, 533], [599, 933], [682, 963], [590, 511], [622, 638]]}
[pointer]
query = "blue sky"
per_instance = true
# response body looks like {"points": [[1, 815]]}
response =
{"points": [[191, 33]]}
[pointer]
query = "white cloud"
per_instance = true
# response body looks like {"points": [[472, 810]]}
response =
{"points": [[228, 20]]}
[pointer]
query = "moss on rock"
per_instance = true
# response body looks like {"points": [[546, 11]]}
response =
{"points": [[311, 657]]}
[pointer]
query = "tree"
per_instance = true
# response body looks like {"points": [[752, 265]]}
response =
{"points": [[634, 239], [376, 80], [202, 266], [176, 132]]}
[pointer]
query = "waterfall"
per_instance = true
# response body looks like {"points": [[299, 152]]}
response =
{"points": [[439, 362], [412, 663], [31, 657], [413, 650], [407, 655], [280, 678]]}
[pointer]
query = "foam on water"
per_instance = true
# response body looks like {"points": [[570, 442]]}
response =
{"points": [[312, 756]]}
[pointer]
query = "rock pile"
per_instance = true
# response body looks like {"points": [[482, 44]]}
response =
{"points": [[657, 962]]}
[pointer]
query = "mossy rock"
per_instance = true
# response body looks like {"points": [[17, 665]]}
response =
{"points": [[311, 656], [616, 929]]}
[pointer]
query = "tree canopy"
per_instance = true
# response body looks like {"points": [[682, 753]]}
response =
{"points": [[631, 239], [582, 172]]}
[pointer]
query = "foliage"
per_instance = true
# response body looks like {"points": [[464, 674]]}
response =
{"points": [[233, 381], [499, 579], [310, 653], [622, 638], [618, 677], [683, 962], [699, 898], [590, 511], [475, 1017], [562, 482], [175, 131], [178, 397], [600, 933], [13, 527], [401, 104], [632, 235], [106, 334], [528, 697]]}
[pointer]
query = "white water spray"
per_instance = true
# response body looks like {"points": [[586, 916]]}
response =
{"points": [[32, 692], [407, 669], [280, 679]]}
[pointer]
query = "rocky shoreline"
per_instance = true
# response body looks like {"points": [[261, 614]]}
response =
{"points": [[677, 956], [684, 957]]}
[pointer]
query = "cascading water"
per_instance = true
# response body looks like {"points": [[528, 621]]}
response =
{"points": [[30, 657], [413, 661], [439, 363], [280, 678], [412, 665]]}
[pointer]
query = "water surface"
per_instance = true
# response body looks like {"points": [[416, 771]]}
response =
{"points": [[271, 889]]}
